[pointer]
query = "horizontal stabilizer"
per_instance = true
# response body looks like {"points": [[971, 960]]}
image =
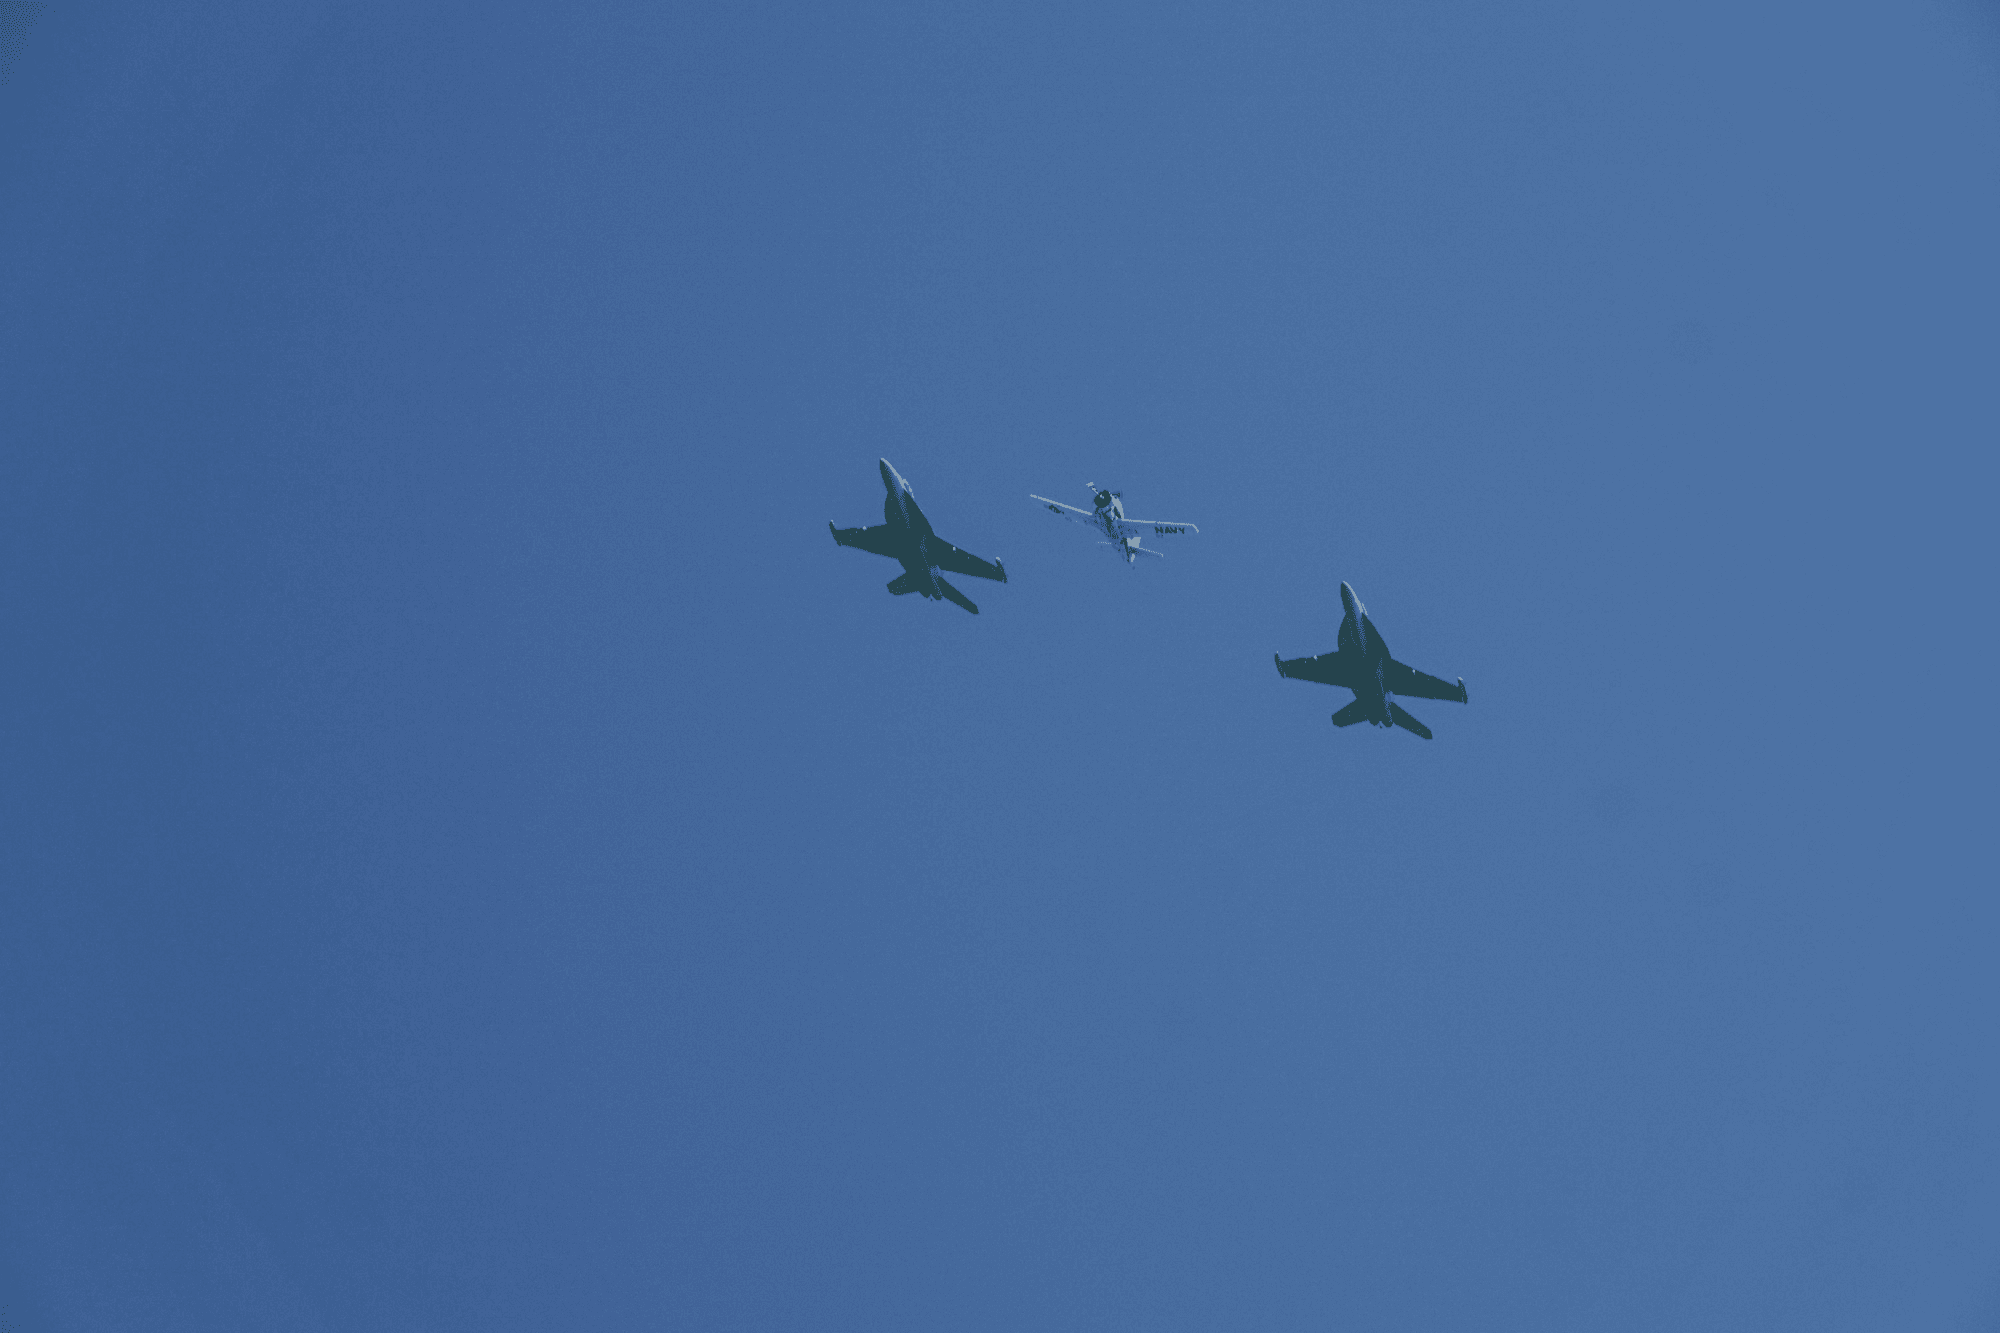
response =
{"points": [[905, 583], [1348, 716], [1406, 722], [955, 595]]}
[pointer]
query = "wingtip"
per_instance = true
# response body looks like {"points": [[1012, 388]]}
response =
{"points": [[1463, 697]]}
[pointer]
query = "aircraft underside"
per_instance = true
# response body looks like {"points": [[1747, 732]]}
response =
{"points": [[1362, 663], [1360, 711], [1122, 533], [906, 536]]}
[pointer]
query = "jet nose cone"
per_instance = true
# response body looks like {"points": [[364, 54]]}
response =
{"points": [[890, 477], [1348, 601]]}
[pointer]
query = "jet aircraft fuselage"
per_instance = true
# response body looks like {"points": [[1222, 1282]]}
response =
{"points": [[1359, 637], [901, 511]]}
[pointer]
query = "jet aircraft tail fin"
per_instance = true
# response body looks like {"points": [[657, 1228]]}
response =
{"points": [[1348, 716], [905, 583], [955, 594], [1406, 722]]}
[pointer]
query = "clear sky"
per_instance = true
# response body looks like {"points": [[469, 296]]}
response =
{"points": [[476, 855]]}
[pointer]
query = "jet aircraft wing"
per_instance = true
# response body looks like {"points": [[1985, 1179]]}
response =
{"points": [[1327, 668], [949, 557], [1409, 683], [1070, 512], [880, 539]]}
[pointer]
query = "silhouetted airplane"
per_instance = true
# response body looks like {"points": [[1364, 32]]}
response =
{"points": [[1361, 662], [905, 535], [1110, 520]]}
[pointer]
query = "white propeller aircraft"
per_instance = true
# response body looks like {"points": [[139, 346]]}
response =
{"points": [[1109, 519]]}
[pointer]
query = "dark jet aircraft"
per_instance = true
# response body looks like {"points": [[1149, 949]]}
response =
{"points": [[905, 535], [1362, 663]]}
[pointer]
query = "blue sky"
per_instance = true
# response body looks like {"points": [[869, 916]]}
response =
{"points": [[477, 855]]}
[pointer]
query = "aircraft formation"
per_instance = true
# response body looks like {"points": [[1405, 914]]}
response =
{"points": [[1360, 660]]}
